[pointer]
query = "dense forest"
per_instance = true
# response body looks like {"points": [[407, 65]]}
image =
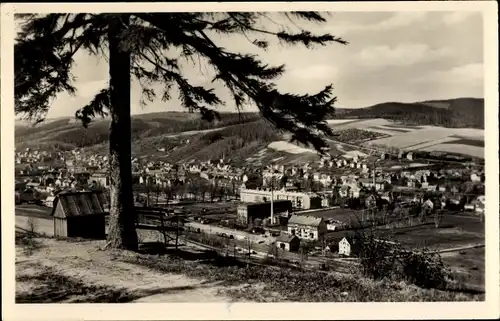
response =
{"points": [[354, 135], [236, 142], [462, 112]]}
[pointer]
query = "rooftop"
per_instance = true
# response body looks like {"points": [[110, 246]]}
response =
{"points": [[305, 220], [80, 203]]}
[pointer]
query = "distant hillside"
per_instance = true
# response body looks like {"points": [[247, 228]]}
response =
{"points": [[68, 133], [236, 142], [460, 112], [182, 137]]}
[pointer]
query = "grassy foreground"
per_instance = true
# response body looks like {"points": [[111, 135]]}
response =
{"points": [[79, 271]]}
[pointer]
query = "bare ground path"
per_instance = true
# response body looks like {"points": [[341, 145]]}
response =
{"points": [[87, 263]]}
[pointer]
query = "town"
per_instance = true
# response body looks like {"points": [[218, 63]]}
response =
{"points": [[302, 211]]}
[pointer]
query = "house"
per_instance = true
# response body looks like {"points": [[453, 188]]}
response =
{"points": [[49, 201], [348, 246], [290, 243], [428, 206], [333, 225], [307, 227], [351, 190], [469, 207], [33, 185], [370, 201], [475, 178], [479, 204], [80, 214], [25, 196], [479, 208], [100, 179]]}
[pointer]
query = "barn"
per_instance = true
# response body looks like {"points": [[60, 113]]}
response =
{"points": [[80, 214]]}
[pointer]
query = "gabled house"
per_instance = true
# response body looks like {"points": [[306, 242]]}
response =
{"points": [[306, 227], [349, 246]]}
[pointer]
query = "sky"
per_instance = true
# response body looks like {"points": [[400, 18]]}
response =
{"points": [[391, 56]]}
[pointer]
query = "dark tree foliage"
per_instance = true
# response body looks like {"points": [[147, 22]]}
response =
{"points": [[461, 112], [152, 47], [382, 258]]}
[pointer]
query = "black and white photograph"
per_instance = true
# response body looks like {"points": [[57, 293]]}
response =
{"points": [[250, 154]]}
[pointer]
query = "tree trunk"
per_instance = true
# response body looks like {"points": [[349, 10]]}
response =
{"points": [[122, 233]]}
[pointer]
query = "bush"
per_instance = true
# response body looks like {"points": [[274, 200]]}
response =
{"points": [[425, 269], [377, 258], [381, 259]]}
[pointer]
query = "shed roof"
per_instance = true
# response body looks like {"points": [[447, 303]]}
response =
{"points": [[305, 220], [79, 204], [285, 238]]}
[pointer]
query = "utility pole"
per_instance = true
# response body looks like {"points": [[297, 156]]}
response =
{"points": [[272, 199], [177, 233], [374, 172]]}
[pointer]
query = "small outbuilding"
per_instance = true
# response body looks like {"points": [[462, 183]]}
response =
{"points": [[80, 214], [49, 201], [290, 243], [349, 246]]}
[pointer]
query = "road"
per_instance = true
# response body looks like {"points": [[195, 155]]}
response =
{"points": [[237, 234], [194, 132], [33, 210], [41, 225]]}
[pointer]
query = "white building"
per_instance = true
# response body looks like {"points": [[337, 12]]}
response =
{"points": [[344, 247], [306, 227], [299, 200]]}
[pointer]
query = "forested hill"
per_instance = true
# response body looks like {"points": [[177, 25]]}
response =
{"points": [[69, 133], [66, 133], [460, 112]]}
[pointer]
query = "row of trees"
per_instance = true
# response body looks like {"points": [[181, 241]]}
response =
{"points": [[195, 189]]}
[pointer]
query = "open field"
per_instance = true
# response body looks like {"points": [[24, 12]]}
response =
{"points": [[455, 230], [33, 210], [452, 140], [446, 236], [336, 122], [467, 141], [339, 214], [289, 147], [468, 265], [401, 126], [388, 130], [451, 147]]}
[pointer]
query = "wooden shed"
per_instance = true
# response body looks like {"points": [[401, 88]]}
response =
{"points": [[289, 243], [80, 214]]}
